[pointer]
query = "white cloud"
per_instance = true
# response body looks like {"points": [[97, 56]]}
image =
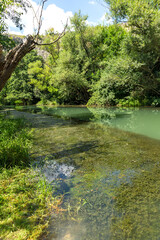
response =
{"points": [[91, 23], [106, 19], [92, 2], [53, 17], [103, 18], [15, 33]]}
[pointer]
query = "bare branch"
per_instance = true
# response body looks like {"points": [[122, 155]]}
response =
{"points": [[40, 17], [59, 37], [35, 14]]}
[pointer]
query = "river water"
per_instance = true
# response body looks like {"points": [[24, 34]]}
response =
{"points": [[106, 164]]}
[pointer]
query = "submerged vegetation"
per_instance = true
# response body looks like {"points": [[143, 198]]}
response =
{"points": [[114, 190], [112, 193]]}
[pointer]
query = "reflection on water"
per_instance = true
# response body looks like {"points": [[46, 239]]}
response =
{"points": [[109, 178], [143, 121], [53, 171]]}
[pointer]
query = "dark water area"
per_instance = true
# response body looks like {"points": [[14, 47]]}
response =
{"points": [[106, 164]]}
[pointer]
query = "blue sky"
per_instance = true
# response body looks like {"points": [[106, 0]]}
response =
{"points": [[56, 12], [92, 8]]}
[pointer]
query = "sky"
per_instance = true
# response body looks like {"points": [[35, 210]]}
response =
{"points": [[56, 13]]}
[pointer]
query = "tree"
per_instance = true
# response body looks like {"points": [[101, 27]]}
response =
{"points": [[52, 49], [9, 62], [141, 18], [19, 87]]}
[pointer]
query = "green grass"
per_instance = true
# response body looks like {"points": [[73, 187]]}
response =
{"points": [[25, 204], [25, 197], [15, 142]]}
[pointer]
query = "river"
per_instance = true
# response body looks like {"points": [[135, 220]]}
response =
{"points": [[106, 164]]}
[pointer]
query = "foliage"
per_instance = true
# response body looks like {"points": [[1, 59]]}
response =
{"points": [[117, 82], [101, 65], [11, 9], [19, 86], [85, 52], [70, 81], [142, 43], [52, 49]]}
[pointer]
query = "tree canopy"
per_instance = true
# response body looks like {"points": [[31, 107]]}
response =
{"points": [[117, 64]]}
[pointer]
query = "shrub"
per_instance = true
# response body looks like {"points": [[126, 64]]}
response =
{"points": [[18, 102]]}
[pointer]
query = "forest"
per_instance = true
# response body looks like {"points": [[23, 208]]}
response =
{"points": [[98, 65]]}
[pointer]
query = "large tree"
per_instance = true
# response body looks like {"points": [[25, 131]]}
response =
{"points": [[142, 20], [9, 61]]}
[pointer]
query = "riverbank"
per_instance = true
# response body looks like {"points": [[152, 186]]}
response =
{"points": [[26, 199]]}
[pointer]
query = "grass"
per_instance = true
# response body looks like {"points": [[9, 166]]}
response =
{"points": [[26, 199], [15, 142], [25, 204]]}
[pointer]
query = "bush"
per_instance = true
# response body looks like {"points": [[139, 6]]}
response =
{"points": [[128, 102], [46, 102], [18, 102], [156, 102], [117, 81]]}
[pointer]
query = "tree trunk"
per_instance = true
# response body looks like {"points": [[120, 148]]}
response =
{"points": [[11, 60]]}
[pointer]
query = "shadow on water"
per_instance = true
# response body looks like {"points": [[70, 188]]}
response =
{"points": [[75, 149]]}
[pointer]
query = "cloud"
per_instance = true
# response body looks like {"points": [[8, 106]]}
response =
{"points": [[103, 18], [15, 33], [92, 2], [91, 23], [106, 19], [52, 17], [55, 17]]}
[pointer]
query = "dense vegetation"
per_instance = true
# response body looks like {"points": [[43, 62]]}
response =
{"points": [[101, 65], [95, 65]]}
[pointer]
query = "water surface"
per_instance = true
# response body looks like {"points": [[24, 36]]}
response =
{"points": [[145, 121], [106, 164]]}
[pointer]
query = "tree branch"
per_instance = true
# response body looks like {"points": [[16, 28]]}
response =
{"points": [[59, 37], [10, 62]]}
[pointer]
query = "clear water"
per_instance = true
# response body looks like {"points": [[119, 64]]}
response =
{"points": [[106, 164], [145, 121]]}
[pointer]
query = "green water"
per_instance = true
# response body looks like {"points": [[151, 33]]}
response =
{"points": [[111, 189]]}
